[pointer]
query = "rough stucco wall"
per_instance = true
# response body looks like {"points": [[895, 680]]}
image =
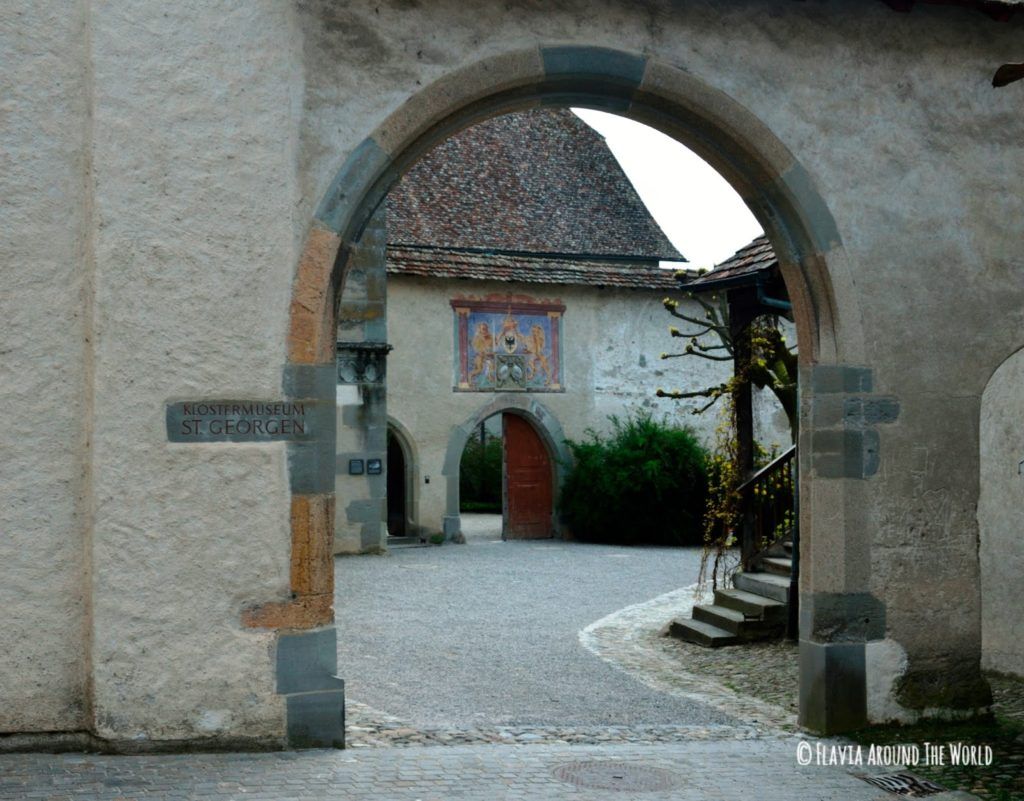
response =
{"points": [[196, 112], [44, 217], [999, 518], [611, 346]]}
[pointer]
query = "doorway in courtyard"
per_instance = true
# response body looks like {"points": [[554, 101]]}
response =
{"points": [[507, 470], [398, 486]]}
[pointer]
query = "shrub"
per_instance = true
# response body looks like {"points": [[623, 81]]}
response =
{"points": [[644, 483], [480, 475]]}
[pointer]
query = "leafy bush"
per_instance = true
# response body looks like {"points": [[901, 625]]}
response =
{"points": [[480, 476], [644, 483]]}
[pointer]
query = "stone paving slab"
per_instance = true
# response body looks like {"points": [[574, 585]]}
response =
{"points": [[764, 769]]}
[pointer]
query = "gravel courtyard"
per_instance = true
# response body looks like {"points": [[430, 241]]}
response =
{"points": [[486, 633]]}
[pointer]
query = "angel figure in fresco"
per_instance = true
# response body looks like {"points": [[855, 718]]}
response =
{"points": [[483, 352], [535, 358]]}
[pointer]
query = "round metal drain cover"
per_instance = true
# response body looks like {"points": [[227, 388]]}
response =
{"points": [[626, 776]]}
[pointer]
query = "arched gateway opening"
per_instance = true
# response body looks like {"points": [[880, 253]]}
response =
{"points": [[780, 194], [533, 459]]}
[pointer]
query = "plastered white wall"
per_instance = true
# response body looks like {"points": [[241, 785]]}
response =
{"points": [[196, 116], [884, 663], [44, 344]]}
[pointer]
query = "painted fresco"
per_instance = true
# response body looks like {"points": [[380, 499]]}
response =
{"points": [[508, 345]]}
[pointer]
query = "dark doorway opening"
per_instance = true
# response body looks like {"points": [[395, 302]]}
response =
{"points": [[397, 502]]}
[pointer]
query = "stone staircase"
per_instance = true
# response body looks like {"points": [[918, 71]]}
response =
{"points": [[756, 608]]}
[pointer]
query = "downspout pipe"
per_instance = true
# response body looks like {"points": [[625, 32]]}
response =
{"points": [[772, 303]]}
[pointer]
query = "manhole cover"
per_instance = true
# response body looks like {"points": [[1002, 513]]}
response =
{"points": [[626, 776], [906, 784]]}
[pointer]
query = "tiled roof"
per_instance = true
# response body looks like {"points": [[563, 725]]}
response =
{"points": [[446, 263], [742, 266], [538, 181]]}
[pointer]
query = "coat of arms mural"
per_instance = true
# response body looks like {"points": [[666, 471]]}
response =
{"points": [[508, 344]]}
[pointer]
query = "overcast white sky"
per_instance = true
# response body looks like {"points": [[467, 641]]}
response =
{"points": [[697, 209]]}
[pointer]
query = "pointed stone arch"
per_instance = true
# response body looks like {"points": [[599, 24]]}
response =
{"points": [[782, 196]]}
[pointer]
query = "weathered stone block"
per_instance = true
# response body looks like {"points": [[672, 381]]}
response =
{"points": [[316, 720], [308, 661], [841, 617], [828, 378], [833, 694], [311, 328], [312, 570]]}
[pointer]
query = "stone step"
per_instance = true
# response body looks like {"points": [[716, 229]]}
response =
{"points": [[701, 633], [768, 585], [778, 565], [783, 549], [723, 617], [751, 605], [737, 623]]}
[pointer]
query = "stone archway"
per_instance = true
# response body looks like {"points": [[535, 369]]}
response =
{"points": [[782, 196], [543, 422]]}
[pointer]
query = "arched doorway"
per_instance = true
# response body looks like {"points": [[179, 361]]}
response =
{"points": [[396, 487], [540, 443], [1001, 497], [402, 472], [785, 201], [507, 474]]}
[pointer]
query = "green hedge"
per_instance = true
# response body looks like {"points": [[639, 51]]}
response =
{"points": [[480, 476], [643, 483]]}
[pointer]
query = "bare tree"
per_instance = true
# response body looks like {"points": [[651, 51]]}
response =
{"points": [[772, 363]]}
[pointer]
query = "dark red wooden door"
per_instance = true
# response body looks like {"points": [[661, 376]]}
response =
{"points": [[528, 493]]}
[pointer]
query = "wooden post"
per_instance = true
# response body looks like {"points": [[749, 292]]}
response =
{"points": [[742, 310]]}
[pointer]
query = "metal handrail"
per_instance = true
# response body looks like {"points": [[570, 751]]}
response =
{"points": [[773, 465]]}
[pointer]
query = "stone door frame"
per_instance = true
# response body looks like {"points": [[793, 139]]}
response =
{"points": [[534, 412]]}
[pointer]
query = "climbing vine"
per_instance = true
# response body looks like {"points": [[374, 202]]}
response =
{"points": [[772, 366]]}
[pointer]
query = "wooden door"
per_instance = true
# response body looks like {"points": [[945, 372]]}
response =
{"points": [[528, 493]]}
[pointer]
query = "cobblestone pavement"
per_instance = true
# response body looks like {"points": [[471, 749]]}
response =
{"points": [[702, 770], [753, 684], [370, 728], [1008, 695]]}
